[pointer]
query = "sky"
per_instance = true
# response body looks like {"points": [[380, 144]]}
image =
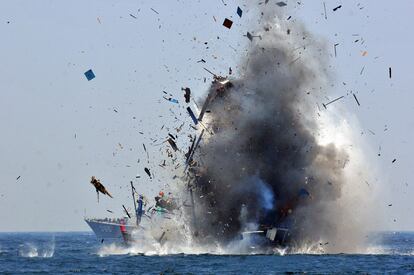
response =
{"points": [[58, 129]]}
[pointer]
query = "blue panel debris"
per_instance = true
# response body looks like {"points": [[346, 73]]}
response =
{"points": [[89, 75], [239, 12], [192, 115], [170, 99]]}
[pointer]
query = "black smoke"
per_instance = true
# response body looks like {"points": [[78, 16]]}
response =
{"points": [[262, 164]]}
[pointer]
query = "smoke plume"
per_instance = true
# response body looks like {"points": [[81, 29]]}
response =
{"points": [[263, 162]]}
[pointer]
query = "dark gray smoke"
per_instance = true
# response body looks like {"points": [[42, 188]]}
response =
{"points": [[263, 164]]}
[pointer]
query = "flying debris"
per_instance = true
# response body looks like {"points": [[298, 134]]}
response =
{"points": [[193, 117], [126, 211], [219, 86], [337, 8], [148, 172], [356, 99], [155, 11], [187, 94], [173, 144], [253, 167], [89, 75], [335, 45], [227, 23], [330, 102], [173, 100], [99, 187], [239, 12]]}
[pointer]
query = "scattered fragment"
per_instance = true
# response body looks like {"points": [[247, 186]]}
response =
{"points": [[239, 12], [173, 100], [173, 144], [154, 11], [390, 72], [109, 211], [356, 99], [126, 211], [201, 60], [335, 45], [18, 178], [295, 60], [99, 187], [249, 36], [148, 172], [162, 236], [227, 23], [337, 8], [281, 4], [187, 94], [190, 112], [189, 158], [190, 152], [390, 204], [89, 75], [210, 72], [362, 70], [230, 71], [364, 53], [336, 99], [394, 160], [324, 7], [133, 16]]}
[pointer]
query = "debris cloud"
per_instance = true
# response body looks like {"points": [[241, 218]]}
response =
{"points": [[265, 164]]}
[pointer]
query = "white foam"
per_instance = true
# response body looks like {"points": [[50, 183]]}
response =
{"points": [[31, 250]]}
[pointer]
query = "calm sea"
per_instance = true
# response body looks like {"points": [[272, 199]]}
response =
{"points": [[78, 253]]}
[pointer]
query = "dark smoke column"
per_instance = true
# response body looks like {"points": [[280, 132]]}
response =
{"points": [[262, 166]]}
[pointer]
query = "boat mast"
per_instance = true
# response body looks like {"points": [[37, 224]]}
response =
{"points": [[133, 197]]}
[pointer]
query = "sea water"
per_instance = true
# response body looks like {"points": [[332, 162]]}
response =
{"points": [[81, 253]]}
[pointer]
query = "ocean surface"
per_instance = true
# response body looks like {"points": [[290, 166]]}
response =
{"points": [[81, 253]]}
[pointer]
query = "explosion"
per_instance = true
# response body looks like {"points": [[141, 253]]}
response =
{"points": [[262, 163]]}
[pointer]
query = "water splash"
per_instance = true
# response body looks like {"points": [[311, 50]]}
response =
{"points": [[42, 250]]}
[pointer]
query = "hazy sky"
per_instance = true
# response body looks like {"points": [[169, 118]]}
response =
{"points": [[58, 129]]}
